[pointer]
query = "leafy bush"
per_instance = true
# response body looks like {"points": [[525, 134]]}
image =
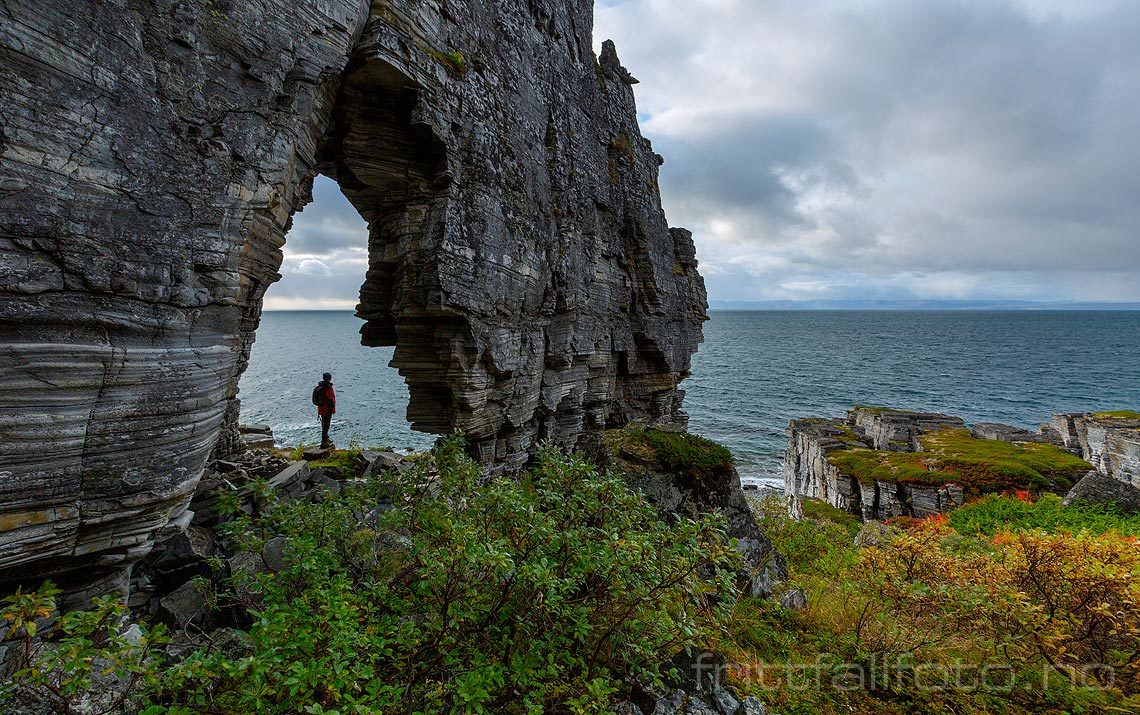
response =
{"points": [[1034, 606], [96, 666], [1034, 599], [998, 513], [443, 592]]}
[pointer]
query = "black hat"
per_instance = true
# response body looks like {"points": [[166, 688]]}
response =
{"points": [[327, 376]]}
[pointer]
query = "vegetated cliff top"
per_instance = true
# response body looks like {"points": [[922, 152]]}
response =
{"points": [[1117, 415], [978, 465]]}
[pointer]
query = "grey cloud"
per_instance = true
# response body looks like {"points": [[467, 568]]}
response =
{"points": [[981, 147], [327, 224]]}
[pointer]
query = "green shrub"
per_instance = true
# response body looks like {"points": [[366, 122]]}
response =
{"points": [[94, 665], [467, 595], [997, 513], [682, 453]]}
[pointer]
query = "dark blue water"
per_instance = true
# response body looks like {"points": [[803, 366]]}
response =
{"points": [[757, 370]]}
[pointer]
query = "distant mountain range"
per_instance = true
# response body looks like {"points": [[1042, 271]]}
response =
{"points": [[914, 305]]}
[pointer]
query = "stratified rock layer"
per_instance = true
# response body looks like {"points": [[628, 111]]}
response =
{"points": [[1111, 444], [809, 474], [151, 156]]}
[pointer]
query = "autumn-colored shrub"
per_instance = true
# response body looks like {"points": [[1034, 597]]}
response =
{"points": [[1070, 603]]}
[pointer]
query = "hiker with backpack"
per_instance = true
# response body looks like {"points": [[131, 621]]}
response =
{"points": [[325, 399]]}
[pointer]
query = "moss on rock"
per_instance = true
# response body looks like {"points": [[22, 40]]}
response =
{"points": [[1117, 415], [979, 466]]}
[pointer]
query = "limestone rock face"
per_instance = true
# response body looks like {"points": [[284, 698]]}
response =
{"points": [[1111, 444], [898, 430], [152, 154]]}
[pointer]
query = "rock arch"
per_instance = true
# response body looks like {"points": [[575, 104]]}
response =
{"points": [[152, 155]]}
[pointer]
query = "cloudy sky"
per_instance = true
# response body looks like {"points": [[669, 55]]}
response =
{"points": [[865, 149]]}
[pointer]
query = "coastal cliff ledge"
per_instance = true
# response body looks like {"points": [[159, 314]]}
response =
{"points": [[880, 463]]}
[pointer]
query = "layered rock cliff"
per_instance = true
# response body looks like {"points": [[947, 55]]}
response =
{"points": [[810, 474], [1110, 441], [880, 463], [152, 153]]}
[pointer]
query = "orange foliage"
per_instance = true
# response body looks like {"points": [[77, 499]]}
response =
{"points": [[1069, 602]]}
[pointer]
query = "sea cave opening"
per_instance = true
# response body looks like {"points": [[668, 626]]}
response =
{"points": [[378, 201], [309, 326]]}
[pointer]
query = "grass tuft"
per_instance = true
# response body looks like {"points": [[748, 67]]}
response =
{"points": [[682, 453]]}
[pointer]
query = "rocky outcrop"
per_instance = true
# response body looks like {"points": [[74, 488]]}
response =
{"points": [[1010, 433], [693, 496], [883, 481], [151, 156], [1096, 488], [808, 473], [897, 430], [1108, 441]]}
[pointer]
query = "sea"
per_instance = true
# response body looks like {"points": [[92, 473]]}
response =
{"points": [[755, 371]]}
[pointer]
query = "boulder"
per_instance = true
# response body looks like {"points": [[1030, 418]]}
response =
{"points": [[275, 553], [681, 703], [1097, 488], [290, 478], [724, 702], [753, 706], [794, 600], [185, 606], [317, 454], [385, 461]]}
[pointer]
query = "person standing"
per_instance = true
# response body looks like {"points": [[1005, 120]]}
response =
{"points": [[325, 399]]}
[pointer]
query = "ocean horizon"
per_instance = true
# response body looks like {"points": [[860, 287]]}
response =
{"points": [[755, 371]]}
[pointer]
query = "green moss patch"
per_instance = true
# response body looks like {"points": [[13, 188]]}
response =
{"points": [[1117, 415], [980, 466], [346, 460], [679, 452]]}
